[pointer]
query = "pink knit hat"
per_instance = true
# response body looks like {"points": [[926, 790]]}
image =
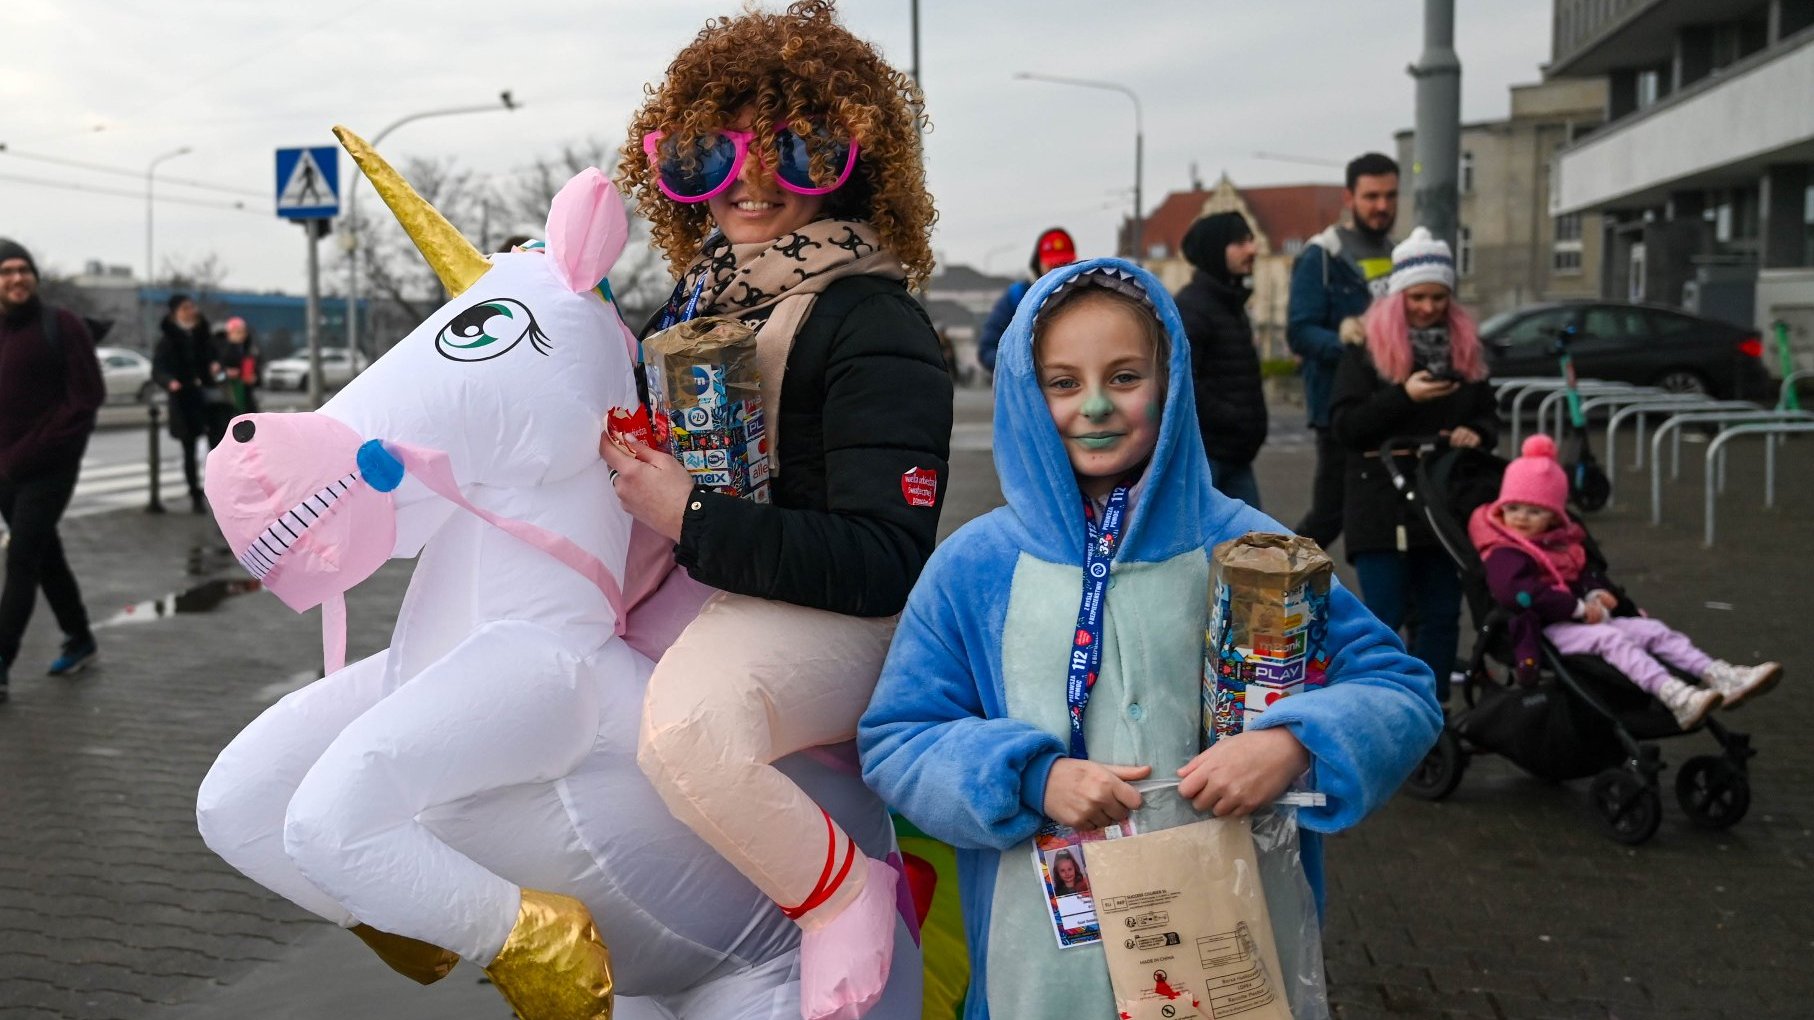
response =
{"points": [[1536, 478]]}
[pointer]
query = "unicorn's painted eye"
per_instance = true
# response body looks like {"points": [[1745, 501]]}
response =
{"points": [[489, 329]]}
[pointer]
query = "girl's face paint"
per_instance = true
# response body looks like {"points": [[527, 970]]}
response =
{"points": [[1100, 382]]}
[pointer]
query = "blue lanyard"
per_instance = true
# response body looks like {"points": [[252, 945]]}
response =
{"points": [[1086, 647], [670, 315]]}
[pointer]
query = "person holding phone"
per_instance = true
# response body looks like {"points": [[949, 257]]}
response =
{"points": [[1414, 368]]}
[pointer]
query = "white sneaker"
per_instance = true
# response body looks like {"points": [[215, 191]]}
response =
{"points": [[1737, 683], [1688, 704]]}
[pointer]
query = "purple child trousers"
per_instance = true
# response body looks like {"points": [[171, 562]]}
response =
{"points": [[1632, 645]]}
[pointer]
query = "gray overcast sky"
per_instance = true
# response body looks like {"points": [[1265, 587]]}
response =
{"points": [[235, 79]]}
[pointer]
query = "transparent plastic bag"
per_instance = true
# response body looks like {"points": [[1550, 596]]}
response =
{"points": [[1185, 930]]}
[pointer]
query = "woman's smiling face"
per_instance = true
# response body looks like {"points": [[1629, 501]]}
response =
{"points": [[755, 209], [1097, 370]]}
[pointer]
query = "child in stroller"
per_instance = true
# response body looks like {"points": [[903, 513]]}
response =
{"points": [[1537, 567]]}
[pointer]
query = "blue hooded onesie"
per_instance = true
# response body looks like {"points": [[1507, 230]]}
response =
{"points": [[970, 712]]}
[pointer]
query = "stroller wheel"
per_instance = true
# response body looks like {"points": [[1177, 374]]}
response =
{"points": [[1440, 771], [1713, 792], [1628, 807]]}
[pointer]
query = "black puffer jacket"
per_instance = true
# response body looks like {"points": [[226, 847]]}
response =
{"points": [[1225, 367], [188, 357], [866, 400], [1364, 412]]}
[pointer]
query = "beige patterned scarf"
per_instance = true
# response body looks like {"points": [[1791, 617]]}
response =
{"points": [[785, 275]]}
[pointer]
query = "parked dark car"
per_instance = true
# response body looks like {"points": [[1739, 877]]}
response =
{"points": [[1640, 344]]}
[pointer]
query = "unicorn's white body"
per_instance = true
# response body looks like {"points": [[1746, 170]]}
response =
{"points": [[492, 746]]}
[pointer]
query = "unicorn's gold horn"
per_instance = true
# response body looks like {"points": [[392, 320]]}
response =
{"points": [[449, 253]]}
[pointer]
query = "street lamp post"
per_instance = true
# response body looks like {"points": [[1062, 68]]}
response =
{"points": [[1136, 241], [352, 228], [150, 170]]}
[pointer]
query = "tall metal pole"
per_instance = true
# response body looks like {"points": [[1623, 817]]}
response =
{"points": [[1139, 223], [151, 266], [1438, 128], [312, 308], [507, 101], [916, 42]]}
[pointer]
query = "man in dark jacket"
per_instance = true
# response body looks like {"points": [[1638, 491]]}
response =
{"points": [[1053, 249], [186, 363], [50, 388], [1339, 274], [1225, 366]]}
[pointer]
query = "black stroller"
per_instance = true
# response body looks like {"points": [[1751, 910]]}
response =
{"points": [[1583, 717]]}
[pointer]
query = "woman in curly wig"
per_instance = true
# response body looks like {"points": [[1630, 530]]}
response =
{"points": [[779, 161]]}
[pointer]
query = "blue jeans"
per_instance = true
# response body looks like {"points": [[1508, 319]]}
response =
{"points": [[1434, 587], [1235, 481]]}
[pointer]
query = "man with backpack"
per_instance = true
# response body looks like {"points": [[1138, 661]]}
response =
{"points": [[50, 388], [1053, 249], [1338, 275]]}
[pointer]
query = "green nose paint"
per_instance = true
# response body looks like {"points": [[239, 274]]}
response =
{"points": [[1098, 406]]}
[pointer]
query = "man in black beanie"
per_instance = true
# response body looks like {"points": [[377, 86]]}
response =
{"points": [[1225, 366], [50, 388]]}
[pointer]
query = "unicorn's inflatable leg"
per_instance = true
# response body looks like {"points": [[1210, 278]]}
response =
{"points": [[751, 681], [241, 804], [510, 705]]}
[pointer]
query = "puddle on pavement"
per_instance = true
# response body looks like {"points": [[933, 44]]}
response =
{"points": [[203, 598]]}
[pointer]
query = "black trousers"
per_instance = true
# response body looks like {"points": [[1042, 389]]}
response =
{"points": [[34, 557], [214, 429], [1322, 523]]}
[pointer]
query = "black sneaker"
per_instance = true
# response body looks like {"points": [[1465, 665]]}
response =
{"points": [[77, 654]]}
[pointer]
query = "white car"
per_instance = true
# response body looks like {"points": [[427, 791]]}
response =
{"points": [[292, 373], [127, 375]]}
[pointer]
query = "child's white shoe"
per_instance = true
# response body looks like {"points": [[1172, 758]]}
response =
{"points": [[844, 965], [1738, 683], [1688, 704]]}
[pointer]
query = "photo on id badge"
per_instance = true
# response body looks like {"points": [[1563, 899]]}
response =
{"points": [[1065, 879]]}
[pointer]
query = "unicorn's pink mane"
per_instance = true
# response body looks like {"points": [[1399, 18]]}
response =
{"points": [[1389, 340]]}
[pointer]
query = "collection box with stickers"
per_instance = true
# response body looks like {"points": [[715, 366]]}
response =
{"points": [[1268, 621], [705, 400]]}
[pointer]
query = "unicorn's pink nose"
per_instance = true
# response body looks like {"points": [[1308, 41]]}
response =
{"points": [[289, 498]]}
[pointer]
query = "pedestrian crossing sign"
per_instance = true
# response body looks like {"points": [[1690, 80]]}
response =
{"points": [[308, 183]]}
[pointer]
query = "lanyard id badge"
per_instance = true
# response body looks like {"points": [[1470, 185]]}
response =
{"points": [[1086, 646], [673, 313]]}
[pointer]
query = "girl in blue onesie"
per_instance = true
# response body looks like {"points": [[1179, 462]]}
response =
{"points": [[979, 730]]}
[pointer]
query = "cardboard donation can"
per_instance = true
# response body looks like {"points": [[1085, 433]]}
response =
{"points": [[1268, 601], [706, 403]]}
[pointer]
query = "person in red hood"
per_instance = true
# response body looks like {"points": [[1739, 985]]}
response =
{"points": [[1053, 249], [1537, 567]]}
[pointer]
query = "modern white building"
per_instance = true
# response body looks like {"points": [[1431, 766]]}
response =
{"points": [[1703, 174]]}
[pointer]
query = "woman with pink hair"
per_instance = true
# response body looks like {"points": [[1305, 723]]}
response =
{"points": [[1415, 370]]}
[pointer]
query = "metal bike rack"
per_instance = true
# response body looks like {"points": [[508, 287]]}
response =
{"points": [[1551, 413], [1504, 389], [1771, 431], [1720, 418], [1547, 386], [1766, 415], [1639, 409]]}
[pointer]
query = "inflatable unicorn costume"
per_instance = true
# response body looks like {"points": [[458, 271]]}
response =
{"points": [[472, 790]]}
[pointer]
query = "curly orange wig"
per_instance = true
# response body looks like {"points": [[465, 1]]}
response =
{"points": [[804, 69]]}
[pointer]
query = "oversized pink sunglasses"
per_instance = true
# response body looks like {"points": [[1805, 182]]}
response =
{"points": [[717, 160]]}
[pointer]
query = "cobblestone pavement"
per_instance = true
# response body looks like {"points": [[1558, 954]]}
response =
{"points": [[1503, 902]]}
